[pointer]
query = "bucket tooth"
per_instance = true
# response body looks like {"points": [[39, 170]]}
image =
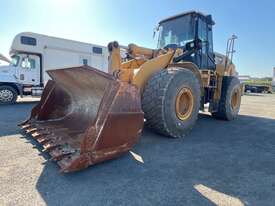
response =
{"points": [[25, 126], [43, 140], [31, 130], [49, 146], [81, 117], [37, 135], [57, 154]]}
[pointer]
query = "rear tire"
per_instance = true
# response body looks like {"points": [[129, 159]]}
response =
{"points": [[8, 95], [229, 105], [171, 101]]}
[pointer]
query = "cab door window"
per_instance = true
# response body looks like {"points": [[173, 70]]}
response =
{"points": [[202, 35], [211, 56], [28, 63], [202, 31]]}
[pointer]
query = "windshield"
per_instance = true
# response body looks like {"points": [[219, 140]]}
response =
{"points": [[15, 60], [178, 31]]}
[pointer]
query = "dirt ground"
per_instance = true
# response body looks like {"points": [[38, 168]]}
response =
{"points": [[219, 163]]}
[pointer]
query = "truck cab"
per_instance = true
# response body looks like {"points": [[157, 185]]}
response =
{"points": [[23, 69], [19, 76]]}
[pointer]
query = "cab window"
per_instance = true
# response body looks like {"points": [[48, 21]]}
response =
{"points": [[28, 40], [28, 63], [15, 60], [202, 30]]}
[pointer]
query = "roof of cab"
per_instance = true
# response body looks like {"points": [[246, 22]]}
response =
{"points": [[184, 14]]}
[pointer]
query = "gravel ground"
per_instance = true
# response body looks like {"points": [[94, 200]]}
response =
{"points": [[219, 163]]}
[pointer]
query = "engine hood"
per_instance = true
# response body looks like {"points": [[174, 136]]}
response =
{"points": [[7, 73], [6, 69]]}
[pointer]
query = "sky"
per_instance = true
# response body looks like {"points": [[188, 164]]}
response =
{"points": [[129, 21]]}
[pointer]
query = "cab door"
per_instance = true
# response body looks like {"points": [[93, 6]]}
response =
{"points": [[29, 71], [202, 35], [206, 54]]}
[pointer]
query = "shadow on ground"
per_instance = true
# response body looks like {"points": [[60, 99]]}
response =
{"points": [[235, 158], [19, 111]]}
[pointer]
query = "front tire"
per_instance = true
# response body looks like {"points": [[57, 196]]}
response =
{"points": [[229, 105], [171, 101], [8, 95]]}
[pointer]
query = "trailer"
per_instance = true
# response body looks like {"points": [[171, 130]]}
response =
{"points": [[32, 54], [256, 88]]}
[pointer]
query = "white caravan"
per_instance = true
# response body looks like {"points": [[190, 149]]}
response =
{"points": [[33, 54]]}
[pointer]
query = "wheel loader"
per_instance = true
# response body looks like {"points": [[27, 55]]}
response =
{"points": [[86, 116]]}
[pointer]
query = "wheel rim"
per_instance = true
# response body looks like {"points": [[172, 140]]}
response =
{"points": [[235, 99], [184, 103], [6, 95]]}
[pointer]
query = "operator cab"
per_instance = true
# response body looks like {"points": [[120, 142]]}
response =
{"points": [[191, 31]]}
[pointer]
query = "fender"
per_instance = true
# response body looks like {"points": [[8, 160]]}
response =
{"points": [[192, 67]]}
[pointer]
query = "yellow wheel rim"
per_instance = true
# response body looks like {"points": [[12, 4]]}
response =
{"points": [[235, 99], [184, 103]]}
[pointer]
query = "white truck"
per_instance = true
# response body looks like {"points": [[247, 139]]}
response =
{"points": [[33, 54]]}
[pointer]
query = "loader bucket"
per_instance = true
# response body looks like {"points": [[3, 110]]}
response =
{"points": [[85, 116]]}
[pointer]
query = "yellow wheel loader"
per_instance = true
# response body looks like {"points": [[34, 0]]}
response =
{"points": [[86, 116]]}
